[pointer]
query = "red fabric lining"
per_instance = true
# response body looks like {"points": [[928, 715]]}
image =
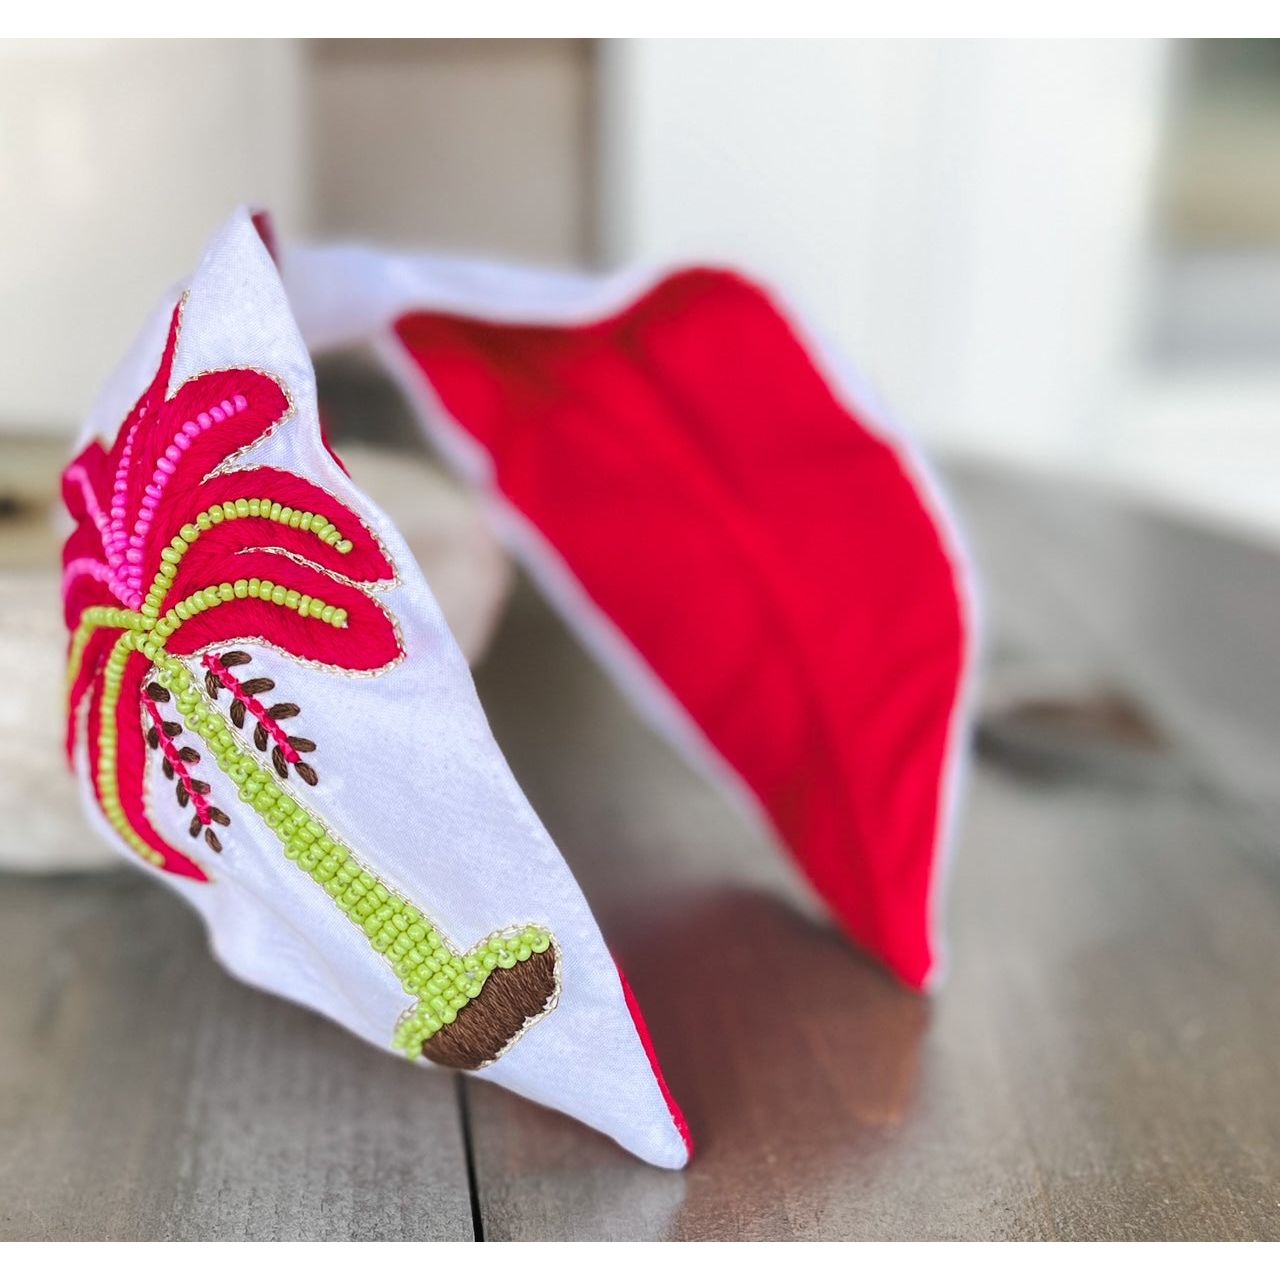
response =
{"points": [[767, 555], [642, 1030]]}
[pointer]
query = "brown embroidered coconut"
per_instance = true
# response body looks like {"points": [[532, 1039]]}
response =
{"points": [[485, 1026]]}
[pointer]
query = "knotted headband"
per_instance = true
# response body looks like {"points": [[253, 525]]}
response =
{"points": [[267, 709]]}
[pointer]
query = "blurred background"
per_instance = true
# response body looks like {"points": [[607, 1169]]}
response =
{"points": [[1063, 255], [1059, 264]]}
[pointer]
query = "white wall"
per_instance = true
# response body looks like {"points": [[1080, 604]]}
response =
{"points": [[964, 217], [971, 220], [117, 160]]}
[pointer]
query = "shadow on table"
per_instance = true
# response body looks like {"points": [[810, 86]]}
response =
{"points": [[792, 1056]]}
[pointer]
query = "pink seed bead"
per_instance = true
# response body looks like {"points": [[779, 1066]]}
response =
{"points": [[241, 404], [228, 408], [163, 464], [204, 420], [172, 453], [182, 440], [133, 555], [216, 414], [191, 429]]}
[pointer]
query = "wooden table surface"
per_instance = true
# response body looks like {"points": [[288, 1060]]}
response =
{"points": [[1104, 1060]]}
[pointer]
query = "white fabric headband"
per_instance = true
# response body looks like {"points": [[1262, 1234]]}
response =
{"points": [[267, 709]]}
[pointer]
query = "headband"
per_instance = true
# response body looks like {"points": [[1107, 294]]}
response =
{"points": [[268, 712]]}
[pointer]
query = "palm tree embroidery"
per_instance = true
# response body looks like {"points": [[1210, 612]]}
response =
{"points": [[177, 559]]}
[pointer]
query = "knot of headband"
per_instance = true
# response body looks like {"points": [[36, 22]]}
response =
{"points": [[266, 708]]}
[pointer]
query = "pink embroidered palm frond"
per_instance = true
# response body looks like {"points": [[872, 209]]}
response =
{"points": [[173, 554]]}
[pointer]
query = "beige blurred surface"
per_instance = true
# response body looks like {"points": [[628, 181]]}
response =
{"points": [[478, 146]]}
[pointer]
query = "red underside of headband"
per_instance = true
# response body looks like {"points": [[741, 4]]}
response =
{"points": [[766, 554]]}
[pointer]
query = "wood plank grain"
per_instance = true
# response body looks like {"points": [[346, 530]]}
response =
{"points": [[1101, 1062], [144, 1094], [1184, 614]]}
